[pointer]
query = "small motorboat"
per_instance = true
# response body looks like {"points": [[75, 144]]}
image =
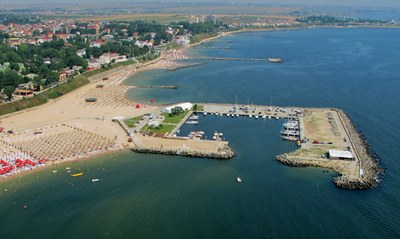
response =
{"points": [[54, 171], [238, 180], [95, 179]]}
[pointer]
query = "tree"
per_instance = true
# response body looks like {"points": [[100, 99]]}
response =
{"points": [[176, 110], [37, 82], [9, 90], [14, 66], [52, 77]]}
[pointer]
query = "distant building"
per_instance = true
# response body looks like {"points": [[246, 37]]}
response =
{"points": [[109, 57], [182, 40], [141, 44], [93, 64], [81, 52], [212, 18], [96, 43]]}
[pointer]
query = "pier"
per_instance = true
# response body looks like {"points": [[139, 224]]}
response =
{"points": [[227, 59], [158, 86]]}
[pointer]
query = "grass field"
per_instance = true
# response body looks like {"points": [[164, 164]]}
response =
{"points": [[132, 121], [174, 119], [163, 128]]}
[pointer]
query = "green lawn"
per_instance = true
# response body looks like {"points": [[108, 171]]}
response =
{"points": [[131, 122], [43, 97], [174, 119], [163, 128], [199, 108]]}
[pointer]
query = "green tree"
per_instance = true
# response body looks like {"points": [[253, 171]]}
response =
{"points": [[9, 90], [176, 110]]}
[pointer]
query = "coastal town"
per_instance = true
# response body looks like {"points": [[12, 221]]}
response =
{"points": [[68, 128]]}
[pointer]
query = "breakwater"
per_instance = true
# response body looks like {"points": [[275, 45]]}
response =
{"points": [[227, 59], [159, 86], [368, 163], [174, 68], [223, 152], [368, 170]]}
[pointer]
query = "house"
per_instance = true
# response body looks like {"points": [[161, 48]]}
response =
{"points": [[182, 40], [108, 38], [93, 64], [141, 44], [96, 43], [81, 52]]}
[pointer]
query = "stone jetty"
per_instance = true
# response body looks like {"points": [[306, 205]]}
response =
{"points": [[222, 153], [362, 173]]}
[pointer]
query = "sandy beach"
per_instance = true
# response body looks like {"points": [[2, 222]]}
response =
{"points": [[69, 128]]}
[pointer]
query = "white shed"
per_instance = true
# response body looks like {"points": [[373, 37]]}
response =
{"points": [[185, 106], [340, 154]]}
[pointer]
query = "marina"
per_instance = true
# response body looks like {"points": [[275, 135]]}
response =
{"points": [[157, 187], [316, 131]]}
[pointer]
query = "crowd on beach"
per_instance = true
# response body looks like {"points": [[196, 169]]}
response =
{"points": [[30, 149]]}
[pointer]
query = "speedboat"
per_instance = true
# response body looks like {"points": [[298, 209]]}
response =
{"points": [[238, 180]]}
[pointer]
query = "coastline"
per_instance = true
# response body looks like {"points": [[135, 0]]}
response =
{"points": [[154, 64], [49, 165]]}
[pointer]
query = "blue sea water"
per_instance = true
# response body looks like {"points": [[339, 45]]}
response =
{"points": [[153, 196]]}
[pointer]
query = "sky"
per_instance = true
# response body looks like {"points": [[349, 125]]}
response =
{"points": [[372, 3]]}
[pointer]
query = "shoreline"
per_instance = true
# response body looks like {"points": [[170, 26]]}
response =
{"points": [[151, 65], [48, 165]]}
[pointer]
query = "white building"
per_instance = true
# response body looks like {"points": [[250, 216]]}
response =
{"points": [[184, 106], [109, 57], [141, 44], [339, 154], [81, 52]]}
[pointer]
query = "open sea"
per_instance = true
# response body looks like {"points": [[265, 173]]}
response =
{"points": [[154, 196]]}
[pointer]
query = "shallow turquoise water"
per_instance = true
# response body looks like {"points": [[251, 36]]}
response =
{"points": [[153, 196]]}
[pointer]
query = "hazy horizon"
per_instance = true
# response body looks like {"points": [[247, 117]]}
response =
{"points": [[364, 3]]}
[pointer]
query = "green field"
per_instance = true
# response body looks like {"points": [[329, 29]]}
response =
{"points": [[132, 121], [163, 128], [174, 119], [198, 108]]}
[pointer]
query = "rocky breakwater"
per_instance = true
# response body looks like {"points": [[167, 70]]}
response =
{"points": [[368, 161], [224, 152], [368, 170]]}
